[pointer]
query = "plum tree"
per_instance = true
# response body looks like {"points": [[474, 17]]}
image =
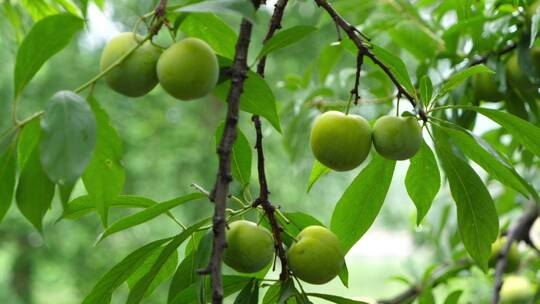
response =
{"points": [[316, 257], [189, 69], [340, 142], [136, 75], [485, 87], [397, 138], [516, 290], [513, 259], [249, 247]]}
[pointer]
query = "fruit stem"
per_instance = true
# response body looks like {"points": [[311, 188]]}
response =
{"points": [[114, 65], [348, 105]]}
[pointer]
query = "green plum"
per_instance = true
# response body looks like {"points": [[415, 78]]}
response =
{"points": [[515, 75], [534, 233], [249, 247], [316, 257], [485, 87], [514, 257], [340, 142], [397, 138], [189, 69], [136, 75], [516, 290]]}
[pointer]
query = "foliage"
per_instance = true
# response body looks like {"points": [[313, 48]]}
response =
{"points": [[406, 57]]}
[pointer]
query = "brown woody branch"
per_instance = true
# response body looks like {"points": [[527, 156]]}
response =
{"points": [[517, 232], [220, 192], [440, 276], [485, 58], [355, 91], [262, 200], [353, 34]]}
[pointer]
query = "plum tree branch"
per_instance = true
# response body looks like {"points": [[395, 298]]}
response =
{"points": [[220, 192], [353, 34], [263, 200], [440, 275], [517, 232]]}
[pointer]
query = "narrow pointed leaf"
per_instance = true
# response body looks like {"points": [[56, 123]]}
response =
{"points": [[8, 164], [423, 181], [477, 219], [148, 214], [104, 176], [102, 292], [317, 171], [46, 38], [285, 38], [358, 207]]}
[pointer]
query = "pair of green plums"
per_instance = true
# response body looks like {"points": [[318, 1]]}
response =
{"points": [[342, 142], [316, 256], [187, 70]]}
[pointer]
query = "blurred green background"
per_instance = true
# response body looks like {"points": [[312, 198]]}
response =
{"points": [[170, 144]]}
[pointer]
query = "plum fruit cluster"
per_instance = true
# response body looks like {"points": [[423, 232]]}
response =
{"points": [[187, 70], [316, 256], [342, 142]]}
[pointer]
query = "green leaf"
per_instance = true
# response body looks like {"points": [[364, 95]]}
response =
{"points": [[335, 299], [329, 57], [489, 159], [358, 207], [457, 79], [257, 98], [423, 181], [397, 67], [213, 30], [231, 7], [317, 171], [453, 297], [28, 141], [148, 214], [524, 132], [231, 285], [65, 193], [8, 164], [286, 291], [139, 290], [166, 271], [46, 38], [426, 90], [344, 275], [241, 155], [477, 219], [249, 294], [102, 291], [104, 176], [183, 277], [286, 38], [272, 294], [34, 191], [68, 137], [83, 205]]}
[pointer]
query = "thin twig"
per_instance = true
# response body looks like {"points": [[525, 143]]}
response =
{"points": [[262, 200], [485, 58], [353, 33], [439, 276], [221, 189], [355, 90], [517, 232]]}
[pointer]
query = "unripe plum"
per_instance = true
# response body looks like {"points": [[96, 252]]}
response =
{"points": [[515, 75], [316, 257], [249, 247], [340, 142], [485, 87], [513, 258], [516, 290], [189, 69], [397, 138], [136, 75]]}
